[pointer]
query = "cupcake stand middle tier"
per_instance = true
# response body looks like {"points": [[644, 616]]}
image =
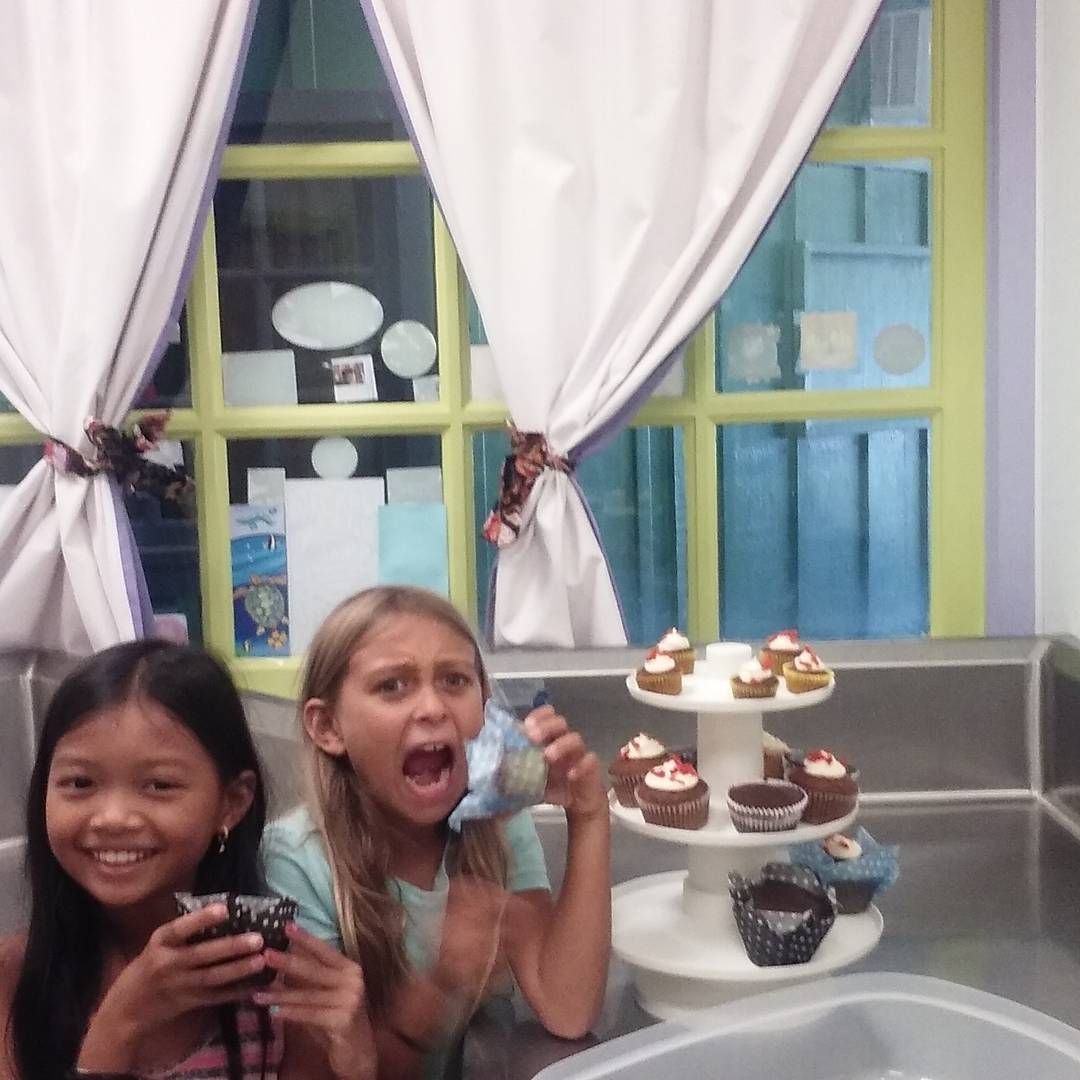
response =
{"points": [[676, 930]]}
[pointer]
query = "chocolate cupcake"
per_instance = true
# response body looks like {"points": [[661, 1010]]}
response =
{"points": [[829, 782], [659, 674], [672, 794], [779, 649], [634, 760], [263, 915], [858, 869], [806, 672], [774, 753], [754, 681], [782, 914], [677, 646], [765, 805]]}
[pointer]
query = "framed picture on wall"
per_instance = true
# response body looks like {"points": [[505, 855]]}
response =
{"points": [[354, 378]]}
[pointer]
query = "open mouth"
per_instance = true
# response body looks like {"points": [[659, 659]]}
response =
{"points": [[428, 767]]}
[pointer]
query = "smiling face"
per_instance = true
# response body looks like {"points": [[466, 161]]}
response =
{"points": [[411, 698], [133, 803]]}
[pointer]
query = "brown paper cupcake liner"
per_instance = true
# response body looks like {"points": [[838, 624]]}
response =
{"points": [[684, 660], [740, 689], [667, 682], [775, 660], [624, 786], [824, 806], [692, 814]]}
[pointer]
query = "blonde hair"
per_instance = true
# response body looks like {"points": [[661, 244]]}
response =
{"points": [[371, 917]]}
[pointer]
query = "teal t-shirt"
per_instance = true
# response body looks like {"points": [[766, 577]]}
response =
{"points": [[296, 865]]}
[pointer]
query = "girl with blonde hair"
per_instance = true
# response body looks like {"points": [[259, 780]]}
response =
{"points": [[394, 685]]}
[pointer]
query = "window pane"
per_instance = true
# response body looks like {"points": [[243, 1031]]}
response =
{"points": [[824, 527], [170, 386], [889, 83], [314, 520], [634, 486], [356, 259], [312, 75], [836, 294], [167, 537]]}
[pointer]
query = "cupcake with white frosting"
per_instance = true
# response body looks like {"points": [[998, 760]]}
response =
{"points": [[857, 867], [754, 681], [659, 674], [774, 756], [677, 645], [672, 794], [633, 761], [806, 672], [830, 784], [779, 649]]}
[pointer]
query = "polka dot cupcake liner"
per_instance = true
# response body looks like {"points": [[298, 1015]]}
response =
{"points": [[782, 914], [264, 915]]}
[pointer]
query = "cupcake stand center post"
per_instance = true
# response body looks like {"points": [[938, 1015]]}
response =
{"points": [[676, 930]]}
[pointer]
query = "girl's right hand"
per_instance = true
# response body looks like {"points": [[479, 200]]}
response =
{"points": [[168, 978]]}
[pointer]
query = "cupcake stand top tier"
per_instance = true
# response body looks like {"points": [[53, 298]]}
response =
{"points": [[676, 930]]}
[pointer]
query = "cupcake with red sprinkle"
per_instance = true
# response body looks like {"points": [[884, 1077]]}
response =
{"points": [[806, 672], [659, 674], [672, 794], [780, 649]]}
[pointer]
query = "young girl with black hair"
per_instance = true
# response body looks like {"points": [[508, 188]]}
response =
{"points": [[147, 783]]}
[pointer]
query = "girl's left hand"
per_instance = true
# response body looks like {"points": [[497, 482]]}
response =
{"points": [[323, 991], [574, 780]]}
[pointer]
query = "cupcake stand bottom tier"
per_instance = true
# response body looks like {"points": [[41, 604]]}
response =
{"points": [[677, 930], [679, 969]]}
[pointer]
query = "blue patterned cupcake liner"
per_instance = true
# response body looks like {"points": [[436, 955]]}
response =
{"points": [[857, 881], [778, 936]]}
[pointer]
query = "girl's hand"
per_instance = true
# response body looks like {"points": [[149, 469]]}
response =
{"points": [[168, 978], [574, 780], [323, 991]]}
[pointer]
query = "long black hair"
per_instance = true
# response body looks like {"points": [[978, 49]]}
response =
{"points": [[61, 977]]}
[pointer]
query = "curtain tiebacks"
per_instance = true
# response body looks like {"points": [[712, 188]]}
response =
{"points": [[529, 456], [121, 453]]}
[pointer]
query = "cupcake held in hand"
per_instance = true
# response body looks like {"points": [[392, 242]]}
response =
{"points": [[779, 649], [677, 646], [659, 674], [858, 868], [754, 681], [672, 794], [829, 782], [806, 672], [634, 760]]}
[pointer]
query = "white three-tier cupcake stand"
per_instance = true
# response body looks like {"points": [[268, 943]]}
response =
{"points": [[676, 930]]}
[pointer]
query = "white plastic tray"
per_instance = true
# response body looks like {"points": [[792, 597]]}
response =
{"points": [[854, 1027]]}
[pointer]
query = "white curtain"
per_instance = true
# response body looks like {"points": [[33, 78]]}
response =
{"points": [[604, 167], [110, 117]]}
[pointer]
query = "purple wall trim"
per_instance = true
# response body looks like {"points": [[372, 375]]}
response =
{"points": [[1011, 313]]}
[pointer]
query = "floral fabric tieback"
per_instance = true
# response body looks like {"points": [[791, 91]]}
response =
{"points": [[121, 453], [529, 456]]}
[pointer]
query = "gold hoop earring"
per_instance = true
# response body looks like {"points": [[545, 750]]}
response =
{"points": [[222, 839]]}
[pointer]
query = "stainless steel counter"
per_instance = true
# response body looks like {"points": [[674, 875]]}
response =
{"points": [[988, 896]]}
